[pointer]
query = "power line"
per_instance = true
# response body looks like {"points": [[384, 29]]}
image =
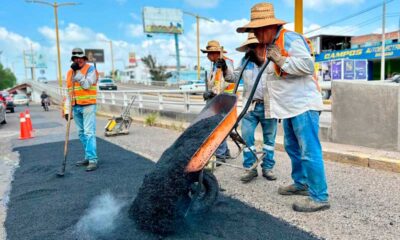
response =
{"points": [[348, 17]]}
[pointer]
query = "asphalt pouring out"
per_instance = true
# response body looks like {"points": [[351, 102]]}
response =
{"points": [[162, 199]]}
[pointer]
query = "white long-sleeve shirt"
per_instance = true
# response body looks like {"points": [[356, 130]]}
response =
{"points": [[86, 80], [290, 95]]}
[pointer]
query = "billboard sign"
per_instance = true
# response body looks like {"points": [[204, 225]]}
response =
{"points": [[162, 20], [391, 51], [95, 55]]}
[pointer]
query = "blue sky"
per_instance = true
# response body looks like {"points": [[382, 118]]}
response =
{"points": [[87, 24]]}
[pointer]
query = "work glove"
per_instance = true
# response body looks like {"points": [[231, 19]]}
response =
{"points": [[250, 54], [75, 66], [208, 95], [221, 63], [274, 54]]}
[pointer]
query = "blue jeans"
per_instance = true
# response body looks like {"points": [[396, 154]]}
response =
{"points": [[269, 127], [85, 120], [222, 150], [304, 149]]}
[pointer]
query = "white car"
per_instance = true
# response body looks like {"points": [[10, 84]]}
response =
{"points": [[21, 99], [194, 86]]}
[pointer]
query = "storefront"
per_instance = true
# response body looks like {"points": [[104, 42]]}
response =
{"points": [[340, 64]]}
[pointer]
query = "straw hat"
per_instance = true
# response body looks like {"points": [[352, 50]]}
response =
{"points": [[212, 46], [251, 38], [262, 15]]}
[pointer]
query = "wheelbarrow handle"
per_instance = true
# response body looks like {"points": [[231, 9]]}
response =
{"points": [[240, 75]]}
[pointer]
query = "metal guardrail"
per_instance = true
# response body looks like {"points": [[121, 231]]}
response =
{"points": [[171, 100]]}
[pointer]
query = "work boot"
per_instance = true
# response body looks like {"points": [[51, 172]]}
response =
{"points": [[220, 159], [91, 167], [268, 174], [82, 163], [293, 190], [309, 205], [249, 176]]}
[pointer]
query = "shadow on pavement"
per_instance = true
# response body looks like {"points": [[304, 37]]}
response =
{"points": [[43, 206]]}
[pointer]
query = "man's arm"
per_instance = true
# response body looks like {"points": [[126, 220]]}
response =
{"points": [[88, 80], [299, 62]]}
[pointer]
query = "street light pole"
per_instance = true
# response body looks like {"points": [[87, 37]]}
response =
{"points": [[198, 37], [55, 5], [298, 16], [383, 41], [112, 57]]}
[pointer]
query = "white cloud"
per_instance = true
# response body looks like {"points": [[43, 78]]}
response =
{"points": [[134, 30], [121, 2], [202, 3]]}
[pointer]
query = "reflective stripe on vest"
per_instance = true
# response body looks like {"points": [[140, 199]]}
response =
{"points": [[280, 42], [78, 94]]}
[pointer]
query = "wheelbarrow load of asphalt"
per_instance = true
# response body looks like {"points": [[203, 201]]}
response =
{"points": [[162, 200]]}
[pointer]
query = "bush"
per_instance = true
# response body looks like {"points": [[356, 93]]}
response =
{"points": [[151, 119]]}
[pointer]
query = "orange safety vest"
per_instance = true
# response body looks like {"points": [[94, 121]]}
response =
{"points": [[280, 42], [218, 75], [78, 94]]}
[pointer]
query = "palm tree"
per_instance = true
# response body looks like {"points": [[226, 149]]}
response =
{"points": [[158, 73]]}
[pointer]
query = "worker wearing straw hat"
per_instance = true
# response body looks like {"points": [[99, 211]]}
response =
{"points": [[293, 95], [217, 84], [256, 113]]}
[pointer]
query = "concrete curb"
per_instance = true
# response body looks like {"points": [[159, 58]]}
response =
{"points": [[334, 155]]}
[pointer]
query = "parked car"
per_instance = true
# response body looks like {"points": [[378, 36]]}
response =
{"points": [[9, 101], [3, 117], [107, 84], [21, 99]]}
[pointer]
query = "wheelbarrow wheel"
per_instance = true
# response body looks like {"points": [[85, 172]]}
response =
{"points": [[204, 196]]}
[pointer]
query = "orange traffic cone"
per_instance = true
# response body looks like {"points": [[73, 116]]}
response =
{"points": [[28, 120], [25, 133]]}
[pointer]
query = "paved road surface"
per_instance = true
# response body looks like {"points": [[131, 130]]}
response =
{"points": [[365, 202]]}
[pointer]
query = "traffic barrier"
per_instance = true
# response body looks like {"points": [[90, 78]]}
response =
{"points": [[25, 133], [28, 120]]}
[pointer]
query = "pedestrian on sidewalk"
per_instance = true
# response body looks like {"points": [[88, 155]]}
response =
{"points": [[293, 96], [81, 84], [217, 85], [256, 114]]}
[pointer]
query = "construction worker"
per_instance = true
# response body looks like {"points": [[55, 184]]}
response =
{"points": [[293, 96], [256, 113], [81, 83], [217, 85]]}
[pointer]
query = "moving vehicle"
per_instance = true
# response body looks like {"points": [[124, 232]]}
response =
{"points": [[21, 99], [46, 104], [3, 118], [107, 84], [9, 101]]}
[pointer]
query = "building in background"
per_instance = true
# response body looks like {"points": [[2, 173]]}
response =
{"points": [[341, 57]]}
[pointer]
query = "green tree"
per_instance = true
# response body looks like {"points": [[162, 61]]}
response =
{"points": [[158, 73], [7, 78]]}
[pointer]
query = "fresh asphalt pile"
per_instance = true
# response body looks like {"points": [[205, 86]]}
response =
{"points": [[42, 206], [162, 199]]}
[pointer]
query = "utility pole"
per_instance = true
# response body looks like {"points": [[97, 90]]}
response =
{"points": [[112, 58], [198, 37], [383, 41], [32, 64], [26, 73], [298, 16], [55, 5]]}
